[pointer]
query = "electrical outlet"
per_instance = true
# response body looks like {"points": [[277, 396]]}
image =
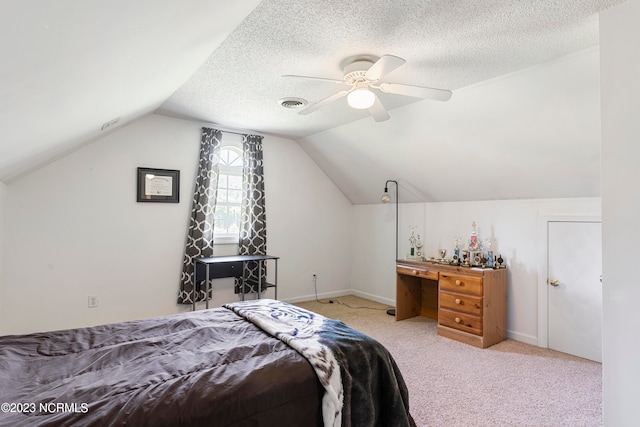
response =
{"points": [[93, 301]]}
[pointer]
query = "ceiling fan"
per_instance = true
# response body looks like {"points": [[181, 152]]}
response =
{"points": [[363, 73]]}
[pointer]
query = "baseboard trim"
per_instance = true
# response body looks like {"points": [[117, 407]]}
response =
{"points": [[525, 338], [323, 295], [372, 297]]}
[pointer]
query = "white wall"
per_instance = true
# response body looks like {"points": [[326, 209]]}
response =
{"points": [[75, 229], [308, 224], [373, 267], [620, 71], [513, 225], [3, 208]]}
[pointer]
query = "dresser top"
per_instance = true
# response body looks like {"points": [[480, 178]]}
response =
{"points": [[446, 268]]}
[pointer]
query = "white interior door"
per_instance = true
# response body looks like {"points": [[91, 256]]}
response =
{"points": [[575, 289]]}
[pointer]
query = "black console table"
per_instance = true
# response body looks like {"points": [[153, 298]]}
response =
{"points": [[218, 267]]}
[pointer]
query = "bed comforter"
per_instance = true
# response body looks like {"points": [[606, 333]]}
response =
{"points": [[210, 367]]}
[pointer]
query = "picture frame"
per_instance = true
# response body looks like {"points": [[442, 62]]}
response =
{"points": [[158, 185]]}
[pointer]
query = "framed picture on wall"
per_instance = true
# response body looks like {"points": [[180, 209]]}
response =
{"points": [[158, 185]]}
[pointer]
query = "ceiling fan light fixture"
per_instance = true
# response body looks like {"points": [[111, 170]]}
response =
{"points": [[361, 99]]}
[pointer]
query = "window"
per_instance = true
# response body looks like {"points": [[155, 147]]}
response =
{"points": [[229, 199]]}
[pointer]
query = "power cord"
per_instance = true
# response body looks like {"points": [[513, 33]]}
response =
{"points": [[357, 308], [335, 301], [315, 287]]}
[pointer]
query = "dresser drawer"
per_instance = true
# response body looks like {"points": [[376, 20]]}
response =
{"points": [[465, 284], [462, 321], [422, 273], [461, 302]]}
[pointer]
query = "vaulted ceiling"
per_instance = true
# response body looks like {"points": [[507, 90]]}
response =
{"points": [[70, 67]]}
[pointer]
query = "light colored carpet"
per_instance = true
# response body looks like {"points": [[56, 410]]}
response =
{"points": [[454, 384]]}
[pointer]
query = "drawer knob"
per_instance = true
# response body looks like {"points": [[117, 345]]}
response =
{"points": [[415, 272], [458, 283], [458, 320], [458, 301]]}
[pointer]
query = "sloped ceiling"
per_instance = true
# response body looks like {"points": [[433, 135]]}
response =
{"points": [[532, 134], [69, 66], [74, 65]]}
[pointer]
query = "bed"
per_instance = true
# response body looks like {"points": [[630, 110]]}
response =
{"points": [[252, 363]]}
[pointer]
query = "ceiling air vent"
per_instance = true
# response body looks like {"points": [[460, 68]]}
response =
{"points": [[292, 102], [110, 123]]}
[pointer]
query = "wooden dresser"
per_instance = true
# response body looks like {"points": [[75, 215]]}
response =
{"points": [[470, 304]]}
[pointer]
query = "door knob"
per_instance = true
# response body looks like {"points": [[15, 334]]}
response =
{"points": [[554, 282]]}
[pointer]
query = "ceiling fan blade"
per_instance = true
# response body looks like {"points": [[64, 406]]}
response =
{"points": [[378, 111], [416, 91], [383, 66], [311, 108], [316, 78]]}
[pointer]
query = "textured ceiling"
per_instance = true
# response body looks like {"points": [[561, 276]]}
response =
{"points": [[69, 66], [447, 44]]}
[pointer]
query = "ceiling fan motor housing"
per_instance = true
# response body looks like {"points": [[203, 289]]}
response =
{"points": [[355, 70]]}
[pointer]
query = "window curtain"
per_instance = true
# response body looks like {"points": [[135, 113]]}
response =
{"points": [[199, 242], [253, 227]]}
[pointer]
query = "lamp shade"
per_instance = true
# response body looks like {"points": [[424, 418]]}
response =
{"points": [[361, 99]]}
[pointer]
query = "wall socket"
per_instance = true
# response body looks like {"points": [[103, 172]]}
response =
{"points": [[93, 301]]}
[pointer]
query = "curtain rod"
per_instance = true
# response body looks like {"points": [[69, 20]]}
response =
{"points": [[235, 133]]}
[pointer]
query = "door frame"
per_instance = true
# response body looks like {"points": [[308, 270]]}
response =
{"points": [[543, 268]]}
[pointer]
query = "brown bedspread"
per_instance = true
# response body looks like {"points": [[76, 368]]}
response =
{"points": [[208, 367]]}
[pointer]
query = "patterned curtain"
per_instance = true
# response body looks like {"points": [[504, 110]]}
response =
{"points": [[200, 234], [253, 228]]}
